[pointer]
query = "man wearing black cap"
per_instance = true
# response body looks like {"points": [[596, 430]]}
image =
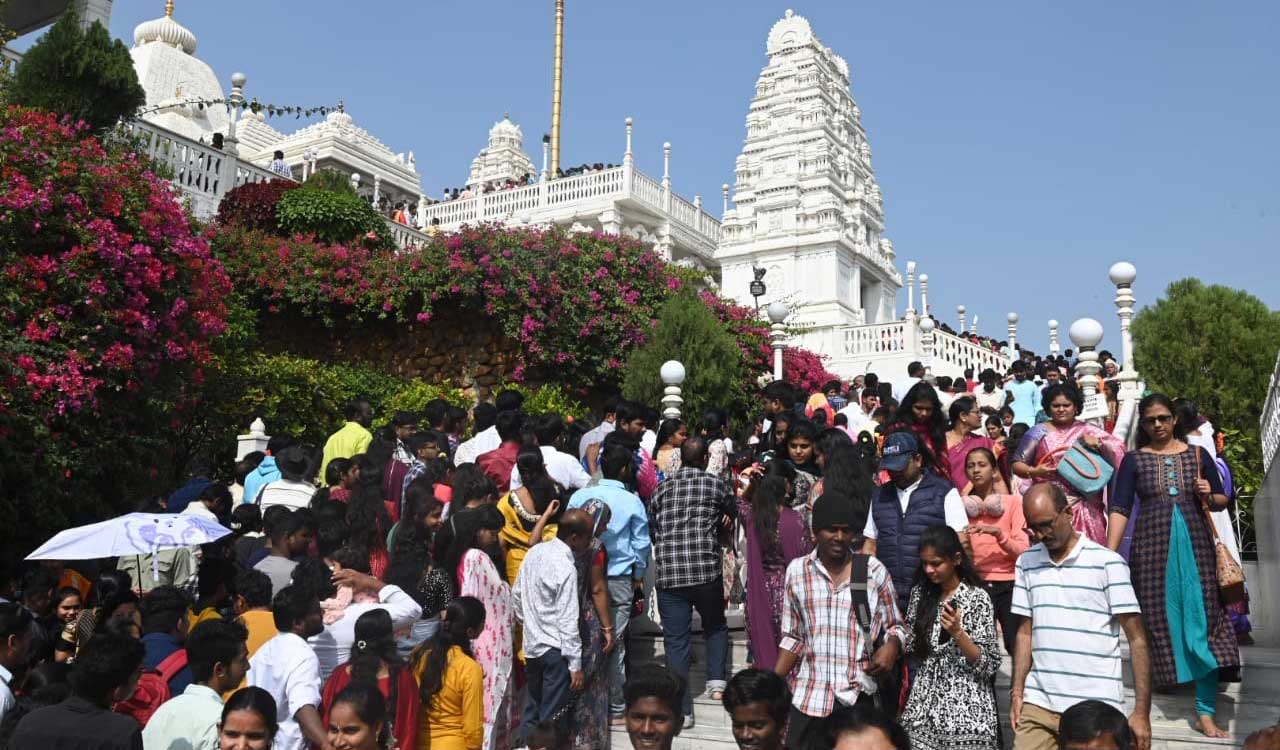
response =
{"points": [[822, 630], [902, 509]]}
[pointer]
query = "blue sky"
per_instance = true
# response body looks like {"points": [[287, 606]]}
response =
{"points": [[1022, 147]]}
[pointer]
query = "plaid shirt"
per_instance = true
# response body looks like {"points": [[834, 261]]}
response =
{"points": [[684, 522], [818, 626]]}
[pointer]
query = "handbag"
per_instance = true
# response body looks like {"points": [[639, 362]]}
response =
{"points": [[1230, 574], [1085, 470]]}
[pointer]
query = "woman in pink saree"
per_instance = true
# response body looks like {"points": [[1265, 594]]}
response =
{"points": [[1044, 445]]}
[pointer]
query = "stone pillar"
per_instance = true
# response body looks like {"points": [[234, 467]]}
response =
{"points": [[255, 440], [1013, 336], [666, 177], [89, 11], [672, 374], [973, 327], [610, 221], [230, 144], [377, 189], [725, 190], [421, 218], [924, 294], [960, 310], [1054, 348], [546, 156]]}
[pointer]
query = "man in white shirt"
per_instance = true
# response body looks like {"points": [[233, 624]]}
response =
{"points": [[288, 669], [589, 445], [915, 373], [901, 509], [487, 439], [292, 489], [15, 639], [545, 599], [562, 467], [219, 659], [333, 644]]}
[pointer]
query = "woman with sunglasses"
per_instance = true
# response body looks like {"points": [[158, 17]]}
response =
{"points": [[1172, 487]]}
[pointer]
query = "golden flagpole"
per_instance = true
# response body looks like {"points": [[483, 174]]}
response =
{"points": [[556, 79]]}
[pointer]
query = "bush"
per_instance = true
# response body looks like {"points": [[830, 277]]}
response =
{"points": [[253, 205], [689, 332], [331, 180], [332, 217], [547, 399], [110, 306], [86, 75], [415, 395]]}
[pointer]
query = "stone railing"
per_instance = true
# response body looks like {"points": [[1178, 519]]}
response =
{"points": [[891, 338], [965, 354], [569, 198], [205, 174], [1271, 420]]}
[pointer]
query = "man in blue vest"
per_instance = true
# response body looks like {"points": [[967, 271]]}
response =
{"points": [[916, 498]]}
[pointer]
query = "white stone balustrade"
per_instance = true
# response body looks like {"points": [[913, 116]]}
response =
{"points": [[203, 174], [634, 195], [1271, 420], [887, 348]]}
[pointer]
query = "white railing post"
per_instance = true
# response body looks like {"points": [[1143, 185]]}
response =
{"points": [[672, 374], [960, 310], [254, 440], [724, 189], [546, 158], [926, 344], [666, 177], [911, 288], [777, 334], [973, 327], [1013, 336], [924, 294], [1054, 348], [1086, 334], [230, 144]]}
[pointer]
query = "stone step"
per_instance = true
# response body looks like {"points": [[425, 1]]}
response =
{"points": [[1243, 707]]}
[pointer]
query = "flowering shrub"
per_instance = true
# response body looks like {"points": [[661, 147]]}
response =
{"points": [[576, 304], [253, 205], [109, 304], [805, 369], [800, 367], [105, 286]]}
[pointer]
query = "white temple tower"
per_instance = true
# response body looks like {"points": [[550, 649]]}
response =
{"points": [[176, 81], [503, 158], [807, 208]]}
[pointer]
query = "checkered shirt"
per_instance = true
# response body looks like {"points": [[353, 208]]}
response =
{"points": [[818, 626], [684, 520]]}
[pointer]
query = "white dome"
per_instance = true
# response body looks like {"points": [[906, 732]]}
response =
{"points": [[792, 31], [506, 128], [167, 31], [339, 117]]}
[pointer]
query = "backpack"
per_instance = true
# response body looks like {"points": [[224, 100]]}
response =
{"points": [[153, 688], [891, 694]]}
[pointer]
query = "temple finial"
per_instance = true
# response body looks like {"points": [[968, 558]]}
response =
{"points": [[168, 9]]}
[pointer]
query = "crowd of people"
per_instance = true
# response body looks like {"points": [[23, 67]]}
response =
{"points": [[419, 584]]}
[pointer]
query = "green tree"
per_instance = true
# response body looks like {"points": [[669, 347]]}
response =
{"points": [[84, 74], [1217, 346], [688, 331]]}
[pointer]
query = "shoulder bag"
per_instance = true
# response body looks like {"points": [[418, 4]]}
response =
{"points": [[1230, 574]]}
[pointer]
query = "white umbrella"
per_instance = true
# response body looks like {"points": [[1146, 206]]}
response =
{"points": [[132, 534]]}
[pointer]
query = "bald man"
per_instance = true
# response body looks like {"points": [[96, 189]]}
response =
{"points": [[545, 598], [1074, 597]]}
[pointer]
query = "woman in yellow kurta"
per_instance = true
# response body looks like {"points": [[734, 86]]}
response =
{"points": [[451, 683]]}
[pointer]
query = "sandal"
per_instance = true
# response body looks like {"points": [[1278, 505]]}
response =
{"points": [[715, 694]]}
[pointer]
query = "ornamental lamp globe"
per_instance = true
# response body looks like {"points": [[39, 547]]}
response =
{"points": [[778, 312]]}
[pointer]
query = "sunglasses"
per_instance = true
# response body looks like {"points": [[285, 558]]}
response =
{"points": [[1157, 419]]}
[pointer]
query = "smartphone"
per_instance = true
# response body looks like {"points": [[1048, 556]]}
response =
{"points": [[944, 635]]}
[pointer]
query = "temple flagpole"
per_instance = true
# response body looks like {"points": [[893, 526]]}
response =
{"points": [[556, 80]]}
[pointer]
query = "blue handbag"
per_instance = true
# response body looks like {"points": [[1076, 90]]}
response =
{"points": [[1085, 470]]}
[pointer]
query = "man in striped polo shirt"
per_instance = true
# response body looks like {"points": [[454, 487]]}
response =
{"points": [[1074, 598]]}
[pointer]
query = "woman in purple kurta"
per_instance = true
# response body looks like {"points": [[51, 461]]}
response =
{"points": [[775, 534]]}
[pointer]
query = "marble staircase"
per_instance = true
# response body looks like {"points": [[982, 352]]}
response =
{"points": [[1243, 707]]}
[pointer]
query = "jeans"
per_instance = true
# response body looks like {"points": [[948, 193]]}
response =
{"points": [[621, 594], [1001, 593], [799, 723], [422, 632], [548, 691], [676, 607]]}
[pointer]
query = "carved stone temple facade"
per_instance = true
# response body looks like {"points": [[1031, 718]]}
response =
{"points": [[806, 205]]}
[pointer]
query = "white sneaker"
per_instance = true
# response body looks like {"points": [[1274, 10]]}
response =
{"points": [[688, 722]]}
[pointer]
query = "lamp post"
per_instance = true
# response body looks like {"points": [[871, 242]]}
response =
{"points": [[911, 288], [1054, 349], [672, 374], [924, 294], [1013, 336], [1122, 274], [960, 310], [778, 331], [926, 344], [757, 286], [1086, 334], [557, 80]]}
